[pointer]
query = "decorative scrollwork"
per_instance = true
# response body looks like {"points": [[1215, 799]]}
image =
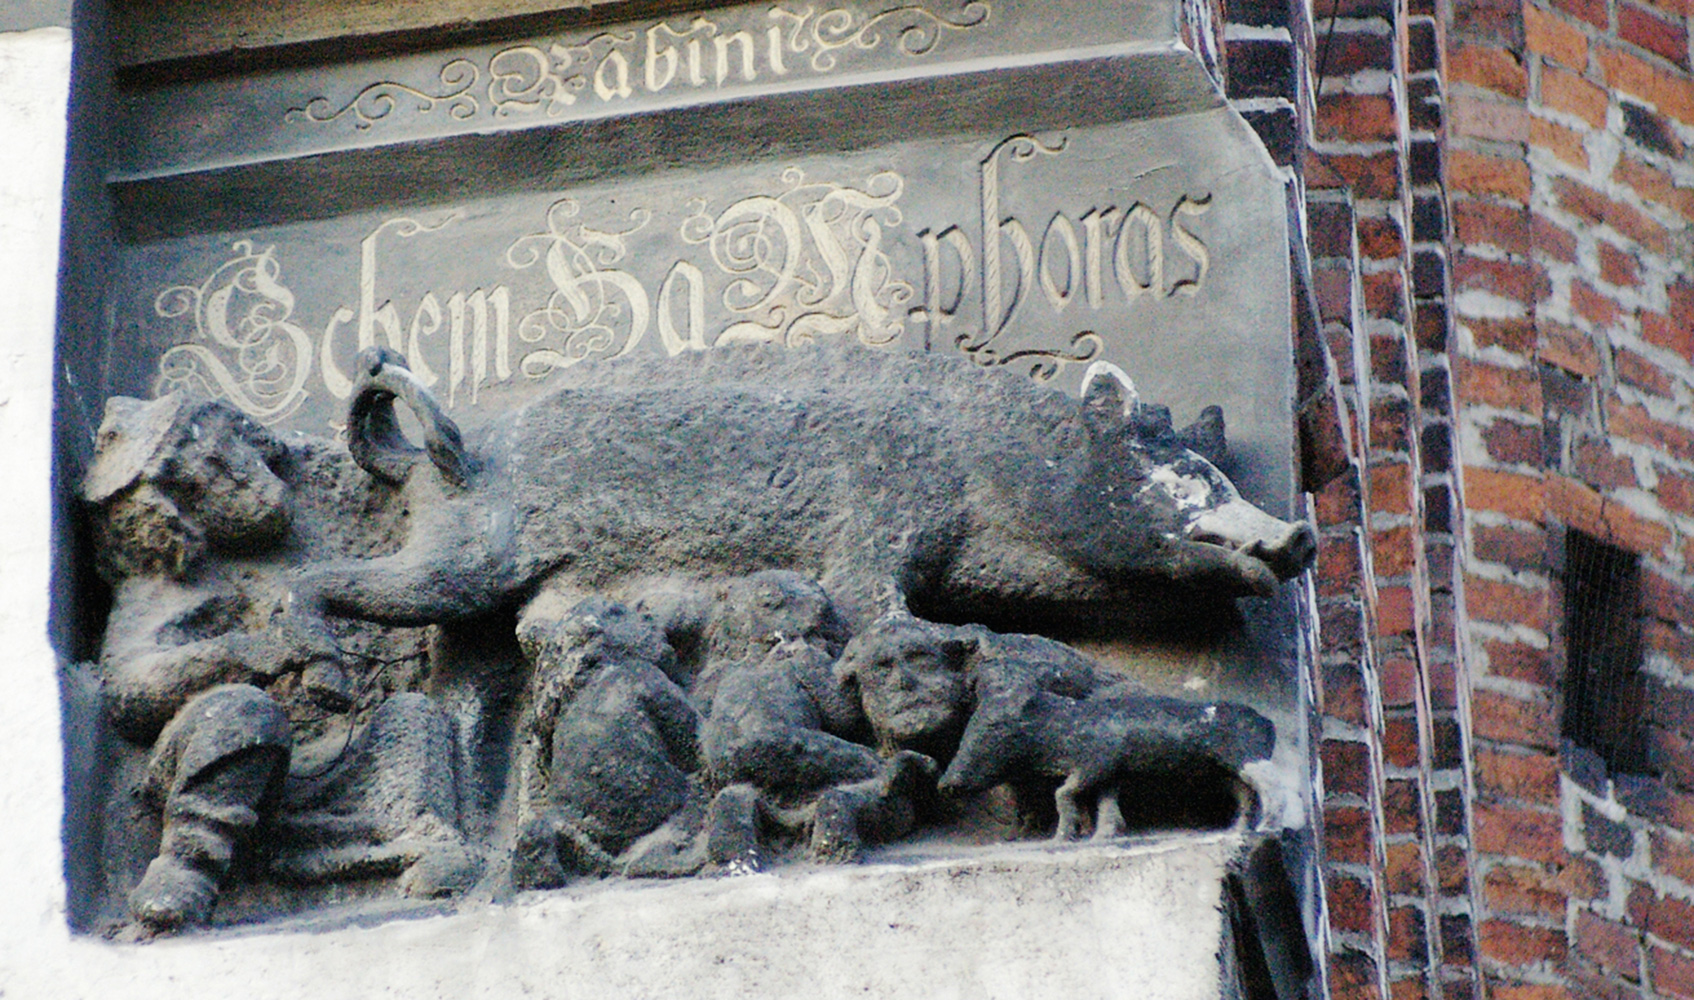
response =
{"points": [[379, 100], [920, 29], [243, 309], [548, 77], [525, 79], [1085, 346]]}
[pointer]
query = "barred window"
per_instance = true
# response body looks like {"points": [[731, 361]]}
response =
{"points": [[1604, 694]]}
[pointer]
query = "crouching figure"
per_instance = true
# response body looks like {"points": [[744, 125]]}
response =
{"points": [[784, 736], [610, 747]]}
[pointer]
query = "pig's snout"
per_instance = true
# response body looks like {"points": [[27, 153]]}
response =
{"points": [[1287, 548]]}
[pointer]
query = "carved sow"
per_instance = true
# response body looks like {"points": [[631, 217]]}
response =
{"points": [[894, 479]]}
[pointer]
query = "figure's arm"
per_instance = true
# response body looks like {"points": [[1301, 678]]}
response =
{"points": [[461, 557], [677, 721], [446, 572], [762, 730], [148, 678], [144, 687], [835, 698]]}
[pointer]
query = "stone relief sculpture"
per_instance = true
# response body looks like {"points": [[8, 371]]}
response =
{"points": [[736, 579], [924, 477]]}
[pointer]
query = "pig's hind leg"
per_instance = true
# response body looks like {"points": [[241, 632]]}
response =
{"points": [[1108, 816], [1070, 808]]}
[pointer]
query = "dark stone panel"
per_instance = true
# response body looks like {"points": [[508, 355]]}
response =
{"points": [[1437, 439], [1429, 273], [617, 71], [1605, 836], [1581, 764], [1425, 162], [1428, 219], [1049, 96], [1649, 130], [1420, 47], [1423, 104], [1260, 13], [1034, 208], [1437, 504]]}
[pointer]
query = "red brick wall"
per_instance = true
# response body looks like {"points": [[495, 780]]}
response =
{"points": [[1499, 208], [1576, 372]]}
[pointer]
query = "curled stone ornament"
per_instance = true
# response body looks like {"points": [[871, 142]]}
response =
{"points": [[380, 100]]}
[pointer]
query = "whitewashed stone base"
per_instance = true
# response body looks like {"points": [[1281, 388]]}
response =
{"points": [[1139, 921]]}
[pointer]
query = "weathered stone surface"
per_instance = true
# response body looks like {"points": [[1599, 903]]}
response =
{"points": [[1045, 189], [623, 68], [896, 480], [203, 517]]}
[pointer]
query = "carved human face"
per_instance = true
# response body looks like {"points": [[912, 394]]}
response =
{"points": [[760, 611], [224, 485], [913, 693]]}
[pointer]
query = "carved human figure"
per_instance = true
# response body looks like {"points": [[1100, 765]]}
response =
{"points": [[195, 531], [783, 736], [613, 778], [909, 677], [610, 740]]}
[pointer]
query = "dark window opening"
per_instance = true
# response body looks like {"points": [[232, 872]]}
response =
{"points": [[1604, 692]]}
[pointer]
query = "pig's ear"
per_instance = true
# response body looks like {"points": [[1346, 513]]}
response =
{"points": [[1107, 395], [1152, 423], [1205, 436], [958, 649], [846, 668]]}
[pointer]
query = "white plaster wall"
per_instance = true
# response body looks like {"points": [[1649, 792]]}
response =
{"points": [[34, 82]]}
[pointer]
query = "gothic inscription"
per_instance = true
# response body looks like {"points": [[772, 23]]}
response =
{"points": [[802, 257], [735, 46], [752, 51]]}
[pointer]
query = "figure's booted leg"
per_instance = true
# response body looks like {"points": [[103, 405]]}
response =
{"points": [[535, 858], [677, 848], [835, 824], [217, 764], [551, 850], [416, 783]]}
